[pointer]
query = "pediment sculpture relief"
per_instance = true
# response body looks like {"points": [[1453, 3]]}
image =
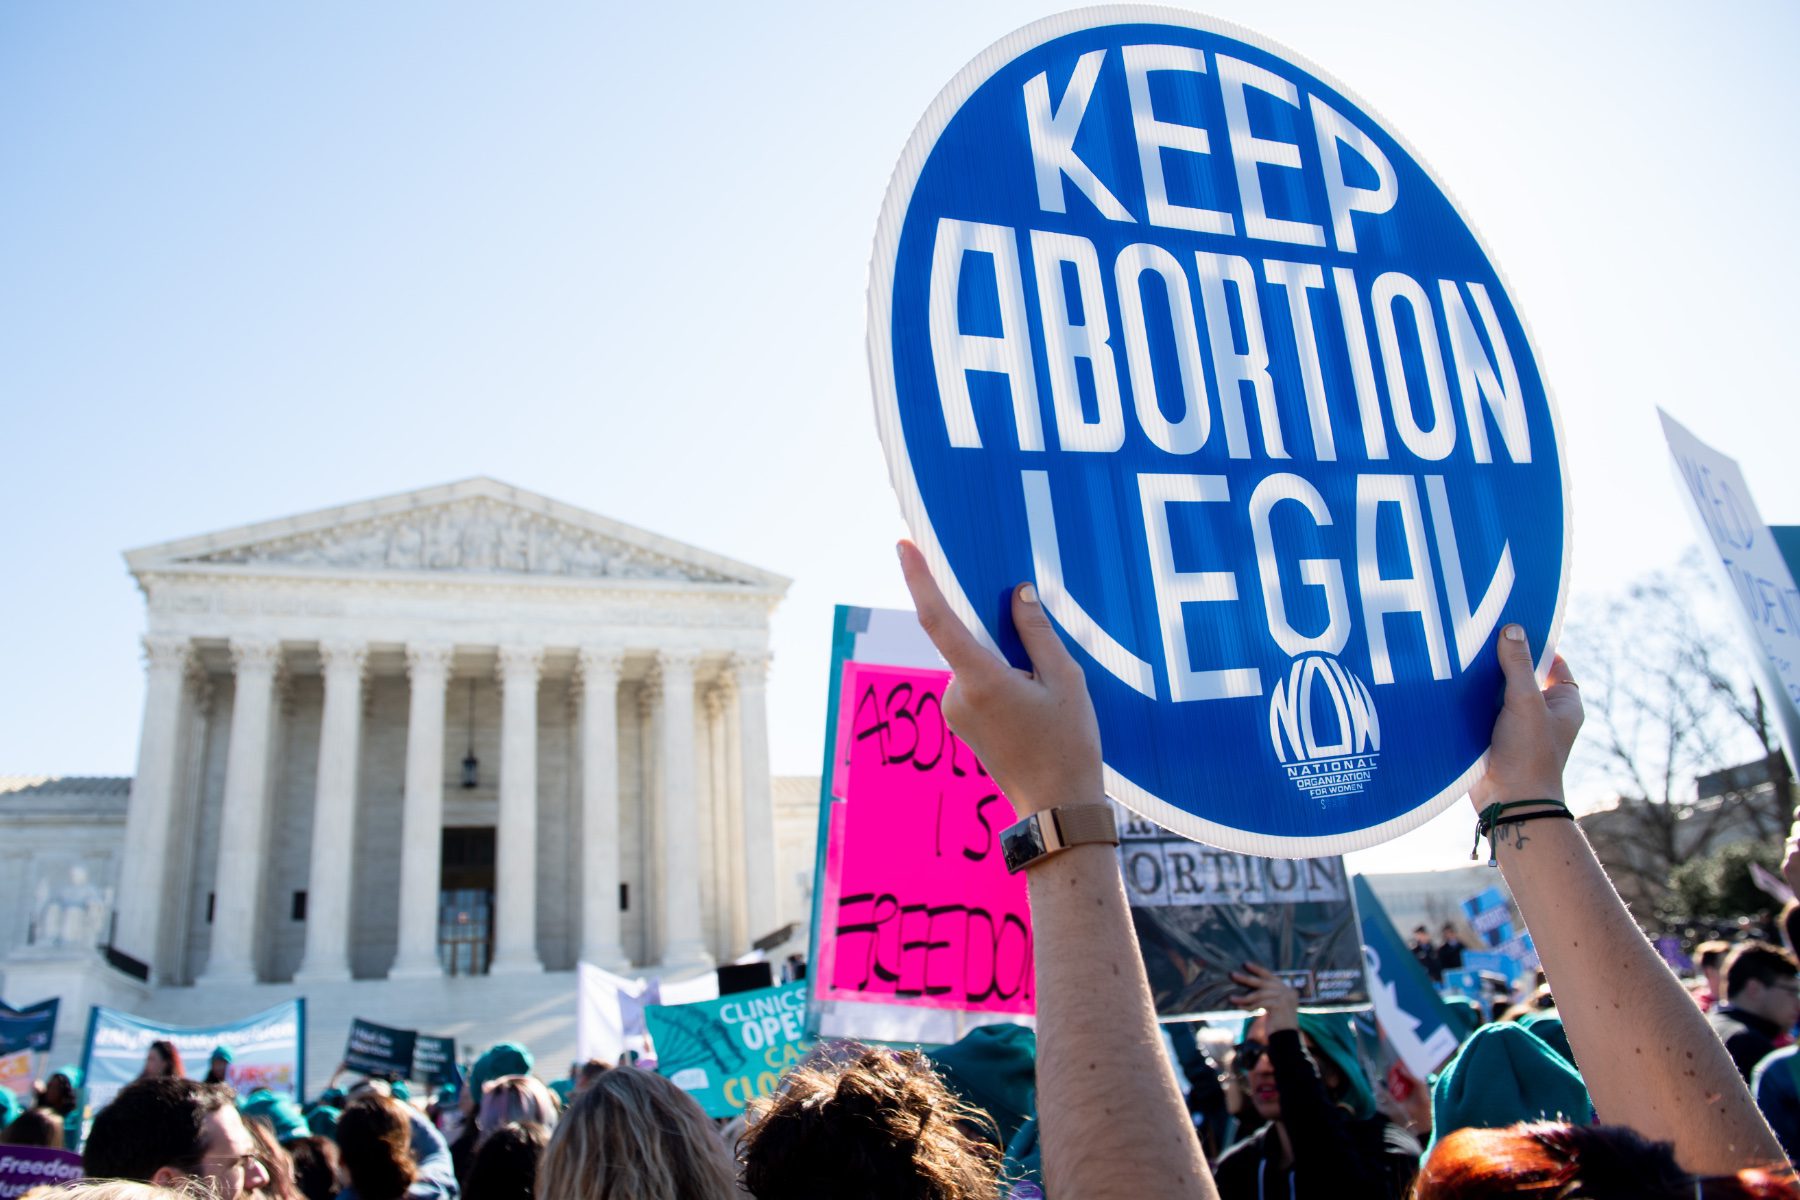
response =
{"points": [[477, 535]]}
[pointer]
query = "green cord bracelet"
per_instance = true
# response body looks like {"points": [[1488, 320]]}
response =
{"points": [[1494, 814]]}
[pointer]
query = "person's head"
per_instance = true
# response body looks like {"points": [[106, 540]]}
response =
{"points": [[281, 1168], [633, 1135], [1790, 926], [173, 1131], [162, 1061], [506, 1165], [34, 1127], [61, 1092], [1597, 1162], [373, 1083], [374, 1139], [1450, 933], [588, 1072], [1762, 979], [880, 1125], [1421, 936], [1710, 957], [218, 1067], [516, 1098], [1252, 1063], [112, 1189], [316, 1163]]}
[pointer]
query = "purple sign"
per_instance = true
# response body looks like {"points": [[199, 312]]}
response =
{"points": [[25, 1167]]}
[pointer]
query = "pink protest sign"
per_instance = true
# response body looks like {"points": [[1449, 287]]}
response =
{"points": [[917, 900]]}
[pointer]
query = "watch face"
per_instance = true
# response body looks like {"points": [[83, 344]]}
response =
{"points": [[1021, 843]]}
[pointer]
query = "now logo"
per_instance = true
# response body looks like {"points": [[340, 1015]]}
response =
{"points": [[1321, 710]]}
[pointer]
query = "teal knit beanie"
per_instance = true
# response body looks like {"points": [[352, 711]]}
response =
{"points": [[1502, 1075], [994, 1067], [279, 1113], [507, 1058], [1549, 1027]]}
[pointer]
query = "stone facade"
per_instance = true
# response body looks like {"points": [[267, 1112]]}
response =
{"points": [[314, 687]]}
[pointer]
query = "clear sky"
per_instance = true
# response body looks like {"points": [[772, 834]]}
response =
{"points": [[262, 259]]}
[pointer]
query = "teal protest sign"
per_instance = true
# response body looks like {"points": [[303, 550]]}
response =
{"points": [[727, 1052]]}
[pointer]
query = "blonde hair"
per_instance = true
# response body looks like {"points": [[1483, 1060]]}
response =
{"points": [[634, 1135], [516, 1098], [116, 1189]]}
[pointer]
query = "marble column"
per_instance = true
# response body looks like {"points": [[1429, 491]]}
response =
{"points": [[515, 871], [422, 813], [751, 672], [327, 957], [141, 899], [684, 943], [600, 927], [726, 900], [243, 841]]}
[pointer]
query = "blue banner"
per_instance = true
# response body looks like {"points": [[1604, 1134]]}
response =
{"points": [[1164, 319], [30, 1028], [268, 1049], [1413, 1017], [728, 1052]]}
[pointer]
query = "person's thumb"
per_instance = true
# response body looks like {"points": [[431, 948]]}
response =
{"points": [[1515, 664], [1050, 659]]}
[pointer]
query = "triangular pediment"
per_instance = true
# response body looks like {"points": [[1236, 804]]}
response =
{"points": [[476, 527]]}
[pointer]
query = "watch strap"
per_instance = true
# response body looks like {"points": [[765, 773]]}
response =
{"points": [[1077, 824]]}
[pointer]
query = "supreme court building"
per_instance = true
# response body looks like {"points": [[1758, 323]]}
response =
{"points": [[412, 758]]}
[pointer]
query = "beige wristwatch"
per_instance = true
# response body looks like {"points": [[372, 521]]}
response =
{"points": [[1042, 834]]}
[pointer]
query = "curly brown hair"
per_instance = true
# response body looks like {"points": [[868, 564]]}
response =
{"points": [[875, 1125]]}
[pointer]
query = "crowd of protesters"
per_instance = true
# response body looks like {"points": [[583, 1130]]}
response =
{"points": [[1612, 1079]]}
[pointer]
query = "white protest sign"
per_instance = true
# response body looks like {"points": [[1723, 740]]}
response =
{"points": [[1756, 575]]}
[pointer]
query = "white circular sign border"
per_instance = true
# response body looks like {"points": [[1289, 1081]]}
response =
{"points": [[882, 261]]}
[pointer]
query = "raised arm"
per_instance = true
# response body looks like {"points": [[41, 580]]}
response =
{"points": [[1113, 1124], [1649, 1058]]}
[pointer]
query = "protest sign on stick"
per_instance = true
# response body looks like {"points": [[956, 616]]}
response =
{"points": [[1413, 1018], [23, 1168], [729, 1051], [1201, 913], [609, 1014], [1164, 319], [1751, 565], [434, 1059], [17, 1075], [919, 906], [1490, 915], [379, 1050], [30, 1028]]}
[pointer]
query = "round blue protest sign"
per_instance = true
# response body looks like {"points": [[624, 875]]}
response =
{"points": [[1164, 319]]}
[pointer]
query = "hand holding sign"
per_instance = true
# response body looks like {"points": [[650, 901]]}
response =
{"points": [[1251, 407], [1265, 990], [1535, 730], [1033, 730]]}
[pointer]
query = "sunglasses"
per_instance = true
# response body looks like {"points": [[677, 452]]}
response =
{"points": [[1246, 1055]]}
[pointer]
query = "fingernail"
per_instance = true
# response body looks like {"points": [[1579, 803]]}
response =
{"points": [[1028, 593], [1514, 633], [900, 551]]}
